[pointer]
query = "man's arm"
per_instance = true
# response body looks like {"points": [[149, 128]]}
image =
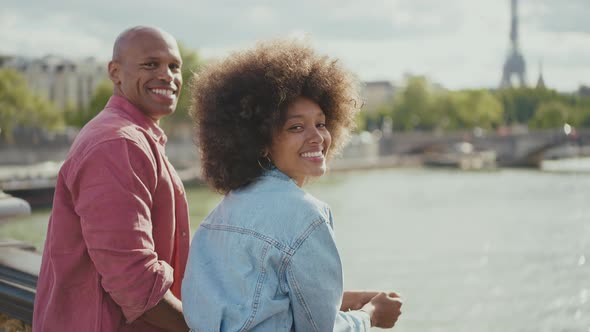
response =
{"points": [[113, 198], [167, 314]]}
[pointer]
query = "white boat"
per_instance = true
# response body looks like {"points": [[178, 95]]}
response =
{"points": [[460, 155], [12, 207], [577, 164]]}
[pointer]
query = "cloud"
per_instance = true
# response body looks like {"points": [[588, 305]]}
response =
{"points": [[559, 16], [459, 43], [52, 34]]}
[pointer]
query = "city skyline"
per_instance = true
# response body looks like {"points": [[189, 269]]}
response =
{"points": [[461, 45]]}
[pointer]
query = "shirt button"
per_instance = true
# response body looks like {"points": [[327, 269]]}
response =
{"points": [[183, 234]]}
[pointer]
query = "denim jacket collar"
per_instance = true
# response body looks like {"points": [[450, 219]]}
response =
{"points": [[277, 173]]}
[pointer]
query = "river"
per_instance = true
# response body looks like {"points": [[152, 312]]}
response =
{"points": [[505, 250]]}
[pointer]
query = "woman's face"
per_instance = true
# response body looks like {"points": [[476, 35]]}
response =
{"points": [[300, 146]]}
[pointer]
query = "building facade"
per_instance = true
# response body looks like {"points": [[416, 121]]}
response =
{"points": [[376, 94], [67, 83]]}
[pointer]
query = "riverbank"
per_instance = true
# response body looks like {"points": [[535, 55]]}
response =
{"points": [[36, 183]]}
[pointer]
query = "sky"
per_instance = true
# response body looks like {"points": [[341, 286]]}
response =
{"points": [[457, 43]]}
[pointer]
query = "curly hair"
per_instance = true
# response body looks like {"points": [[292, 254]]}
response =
{"points": [[238, 102]]}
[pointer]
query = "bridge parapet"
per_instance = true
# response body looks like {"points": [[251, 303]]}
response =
{"points": [[522, 149]]}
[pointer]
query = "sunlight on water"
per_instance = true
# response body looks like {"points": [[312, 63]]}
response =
{"points": [[488, 252]]}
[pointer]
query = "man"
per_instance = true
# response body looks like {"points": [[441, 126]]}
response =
{"points": [[118, 236]]}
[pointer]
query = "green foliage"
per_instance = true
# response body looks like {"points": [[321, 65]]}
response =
{"points": [[371, 120], [413, 108], [474, 108], [550, 114], [191, 64], [420, 107], [521, 104], [583, 111], [78, 118], [19, 106]]}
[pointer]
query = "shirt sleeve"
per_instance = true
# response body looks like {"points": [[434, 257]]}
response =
{"points": [[112, 193], [314, 278]]}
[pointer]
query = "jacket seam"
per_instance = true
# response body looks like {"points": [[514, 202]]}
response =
{"points": [[278, 245], [287, 259], [302, 301], [258, 290]]}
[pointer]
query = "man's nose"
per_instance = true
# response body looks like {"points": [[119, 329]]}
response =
{"points": [[166, 74]]}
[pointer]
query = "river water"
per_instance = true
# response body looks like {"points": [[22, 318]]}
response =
{"points": [[506, 250]]}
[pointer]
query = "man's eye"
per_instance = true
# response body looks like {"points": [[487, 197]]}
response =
{"points": [[150, 64], [174, 66]]}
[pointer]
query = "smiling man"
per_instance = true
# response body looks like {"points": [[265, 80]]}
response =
{"points": [[118, 236]]}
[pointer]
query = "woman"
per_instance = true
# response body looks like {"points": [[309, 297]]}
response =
{"points": [[265, 258]]}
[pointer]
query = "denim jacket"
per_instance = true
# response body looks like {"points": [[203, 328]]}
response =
{"points": [[265, 260]]}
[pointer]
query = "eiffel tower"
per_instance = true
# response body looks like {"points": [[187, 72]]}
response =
{"points": [[514, 64]]}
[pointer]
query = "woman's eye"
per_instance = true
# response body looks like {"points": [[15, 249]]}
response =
{"points": [[297, 127], [321, 125]]}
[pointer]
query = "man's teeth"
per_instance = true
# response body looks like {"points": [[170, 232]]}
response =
{"points": [[163, 92], [312, 154]]}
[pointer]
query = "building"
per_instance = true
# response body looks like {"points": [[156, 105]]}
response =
{"points": [[376, 94], [63, 81]]}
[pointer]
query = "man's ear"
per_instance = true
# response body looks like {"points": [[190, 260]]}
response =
{"points": [[114, 71]]}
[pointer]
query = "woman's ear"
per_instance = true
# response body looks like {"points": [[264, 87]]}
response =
{"points": [[265, 152]]}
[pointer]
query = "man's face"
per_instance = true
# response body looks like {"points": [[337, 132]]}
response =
{"points": [[147, 73]]}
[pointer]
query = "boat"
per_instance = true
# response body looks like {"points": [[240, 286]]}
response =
{"points": [[580, 164], [19, 270], [461, 155], [32, 183], [11, 207]]}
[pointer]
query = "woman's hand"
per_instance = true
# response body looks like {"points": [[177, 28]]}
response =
{"points": [[384, 309]]}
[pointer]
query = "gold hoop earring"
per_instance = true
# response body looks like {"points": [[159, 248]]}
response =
{"points": [[266, 160]]}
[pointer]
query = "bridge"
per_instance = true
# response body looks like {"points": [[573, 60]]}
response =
{"points": [[27, 167], [525, 149]]}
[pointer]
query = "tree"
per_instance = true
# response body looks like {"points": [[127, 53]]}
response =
{"points": [[521, 104], [552, 114], [413, 109], [372, 120], [100, 97], [20, 107], [477, 108], [191, 64]]}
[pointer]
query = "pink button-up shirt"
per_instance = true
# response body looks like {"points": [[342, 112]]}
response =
{"points": [[118, 236]]}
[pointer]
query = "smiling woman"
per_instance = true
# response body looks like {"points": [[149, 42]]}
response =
{"points": [[239, 104], [268, 119], [299, 147]]}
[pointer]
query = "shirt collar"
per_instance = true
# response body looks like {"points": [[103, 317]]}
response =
{"points": [[127, 109], [276, 173]]}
